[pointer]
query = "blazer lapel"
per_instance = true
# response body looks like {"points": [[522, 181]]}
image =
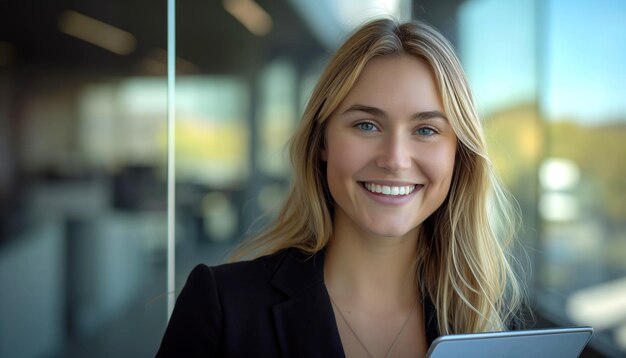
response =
{"points": [[305, 322]]}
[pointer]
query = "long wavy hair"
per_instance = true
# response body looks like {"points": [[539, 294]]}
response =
{"points": [[464, 261]]}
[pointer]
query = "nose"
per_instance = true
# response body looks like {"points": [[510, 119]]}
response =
{"points": [[395, 154]]}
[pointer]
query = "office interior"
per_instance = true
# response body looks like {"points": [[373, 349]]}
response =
{"points": [[84, 150]]}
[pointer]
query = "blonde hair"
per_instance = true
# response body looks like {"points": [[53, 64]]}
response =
{"points": [[463, 263]]}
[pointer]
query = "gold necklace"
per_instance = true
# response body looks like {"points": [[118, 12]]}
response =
{"points": [[395, 340]]}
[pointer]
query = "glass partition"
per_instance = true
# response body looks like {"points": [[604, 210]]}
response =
{"points": [[583, 275], [82, 178], [549, 78]]}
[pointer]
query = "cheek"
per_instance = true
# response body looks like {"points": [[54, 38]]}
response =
{"points": [[440, 163], [342, 155], [344, 161]]}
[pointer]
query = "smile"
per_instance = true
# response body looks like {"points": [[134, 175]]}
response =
{"points": [[388, 189]]}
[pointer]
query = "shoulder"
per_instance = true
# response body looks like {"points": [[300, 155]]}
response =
{"points": [[264, 265], [244, 277], [268, 278], [222, 306]]}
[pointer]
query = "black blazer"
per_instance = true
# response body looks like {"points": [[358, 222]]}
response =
{"points": [[274, 306]]}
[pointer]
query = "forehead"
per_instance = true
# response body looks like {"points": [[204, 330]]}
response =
{"points": [[396, 82]]}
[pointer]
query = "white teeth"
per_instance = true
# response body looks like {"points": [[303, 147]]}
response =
{"points": [[390, 190]]}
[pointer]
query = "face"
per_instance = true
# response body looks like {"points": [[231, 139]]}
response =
{"points": [[389, 149]]}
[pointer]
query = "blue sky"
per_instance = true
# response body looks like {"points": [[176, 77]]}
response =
{"points": [[582, 55]]}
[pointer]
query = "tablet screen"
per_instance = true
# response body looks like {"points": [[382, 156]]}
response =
{"points": [[549, 343]]}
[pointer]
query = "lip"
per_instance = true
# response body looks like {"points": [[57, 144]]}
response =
{"points": [[388, 199], [389, 182]]}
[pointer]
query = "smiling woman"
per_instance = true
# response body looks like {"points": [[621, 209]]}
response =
{"points": [[388, 237]]}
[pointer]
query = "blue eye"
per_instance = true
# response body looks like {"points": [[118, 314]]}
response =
{"points": [[426, 131], [366, 127]]}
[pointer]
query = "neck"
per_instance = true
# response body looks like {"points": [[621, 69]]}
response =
{"points": [[369, 270]]}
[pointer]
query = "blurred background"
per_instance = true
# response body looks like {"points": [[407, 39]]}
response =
{"points": [[83, 147]]}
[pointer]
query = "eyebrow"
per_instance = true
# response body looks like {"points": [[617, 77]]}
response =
{"points": [[380, 113]]}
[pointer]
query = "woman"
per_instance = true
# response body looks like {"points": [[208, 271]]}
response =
{"points": [[388, 237]]}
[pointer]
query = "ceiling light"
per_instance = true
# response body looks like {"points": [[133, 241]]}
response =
{"points": [[251, 15], [97, 32]]}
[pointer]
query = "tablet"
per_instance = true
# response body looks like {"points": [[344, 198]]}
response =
{"points": [[539, 343]]}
